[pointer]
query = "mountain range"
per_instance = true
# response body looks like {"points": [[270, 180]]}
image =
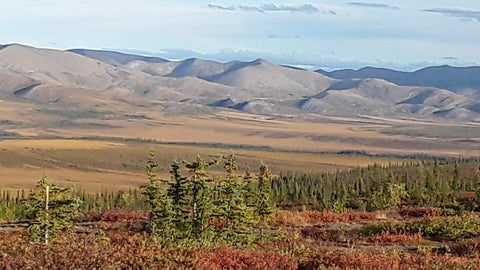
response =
{"points": [[90, 81], [454, 79]]}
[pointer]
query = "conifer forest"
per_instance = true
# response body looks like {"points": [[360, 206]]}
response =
{"points": [[211, 214]]}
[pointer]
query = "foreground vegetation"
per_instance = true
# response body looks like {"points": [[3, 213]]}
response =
{"points": [[415, 215], [133, 251]]}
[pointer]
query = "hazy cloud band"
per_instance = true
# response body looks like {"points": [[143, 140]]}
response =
{"points": [[460, 13], [271, 7], [372, 5]]}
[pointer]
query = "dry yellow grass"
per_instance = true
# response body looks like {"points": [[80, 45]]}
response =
{"points": [[119, 164], [375, 134], [240, 128], [25, 177], [57, 144], [111, 165]]}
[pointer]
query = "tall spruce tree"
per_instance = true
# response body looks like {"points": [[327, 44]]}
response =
{"points": [[456, 178], [161, 207], [263, 205], [200, 189], [231, 205]]}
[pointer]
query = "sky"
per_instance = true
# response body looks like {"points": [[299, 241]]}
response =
{"points": [[398, 34]]}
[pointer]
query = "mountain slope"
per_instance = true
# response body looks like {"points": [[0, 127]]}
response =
{"points": [[267, 80], [91, 80], [446, 77], [382, 98], [56, 67], [116, 58], [197, 68], [12, 82]]}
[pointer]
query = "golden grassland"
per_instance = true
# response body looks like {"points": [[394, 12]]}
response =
{"points": [[113, 150], [58, 144], [377, 136], [119, 165]]}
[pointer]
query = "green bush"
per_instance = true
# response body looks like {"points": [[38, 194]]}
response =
{"points": [[448, 228], [11, 211]]}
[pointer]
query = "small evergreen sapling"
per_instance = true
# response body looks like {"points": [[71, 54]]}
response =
{"points": [[51, 208]]}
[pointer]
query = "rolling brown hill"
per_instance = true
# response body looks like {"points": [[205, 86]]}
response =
{"points": [[91, 79], [446, 77], [382, 98], [97, 94]]}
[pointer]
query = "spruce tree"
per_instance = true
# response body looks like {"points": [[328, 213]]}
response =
{"points": [[200, 210], [231, 205], [263, 205], [160, 206], [52, 208], [456, 178]]}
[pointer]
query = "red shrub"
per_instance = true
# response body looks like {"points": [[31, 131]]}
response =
{"points": [[114, 215], [118, 215], [385, 260], [466, 248], [298, 218], [318, 233], [230, 258], [388, 237], [419, 211]]}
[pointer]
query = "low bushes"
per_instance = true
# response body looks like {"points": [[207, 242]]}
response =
{"points": [[135, 251], [410, 211], [308, 217], [453, 228], [323, 259], [448, 228]]}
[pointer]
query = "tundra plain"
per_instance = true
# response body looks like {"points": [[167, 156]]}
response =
{"points": [[91, 117], [99, 159]]}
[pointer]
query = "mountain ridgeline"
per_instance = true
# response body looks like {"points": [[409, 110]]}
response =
{"points": [[455, 79], [95, 78]]}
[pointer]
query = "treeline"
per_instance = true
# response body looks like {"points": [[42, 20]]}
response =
{"points": [[11, 207], [450, 184]]}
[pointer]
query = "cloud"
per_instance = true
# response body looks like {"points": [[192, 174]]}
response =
{"points": [[449, 58], [271, 7], [306, 61], [220, 7], [251, 8], [372, 5], [306, 8], [453, 12], [285, 37]]}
